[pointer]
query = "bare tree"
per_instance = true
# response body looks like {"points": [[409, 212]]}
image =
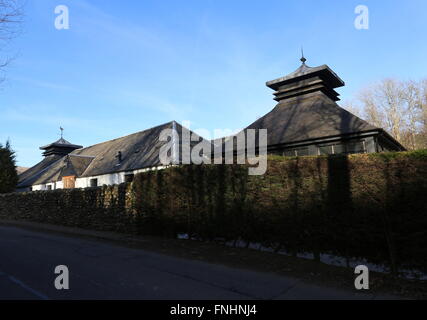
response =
{"points": [[411, 97], [10, 18], [400, 107], [371, 112], [423, 112], [383, 106], [352, 107]]}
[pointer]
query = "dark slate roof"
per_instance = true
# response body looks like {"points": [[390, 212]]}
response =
{"points": [[304, 72], [61, 143], [69, 165], [35, 173], [74, 165], [138, 151], [306, 117]]}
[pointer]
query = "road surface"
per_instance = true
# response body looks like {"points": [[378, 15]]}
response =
{"points": [[101, 270]]}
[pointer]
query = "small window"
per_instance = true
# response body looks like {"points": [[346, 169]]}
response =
{"points": [[326, 150], [289, 153], [355, 147], [339, 148], [299, 152], [342, 148], [93, 182], [49, 187], [302, 152], [129, 177]]}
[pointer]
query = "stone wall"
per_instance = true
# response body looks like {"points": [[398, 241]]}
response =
{"points": [[105, 208]]}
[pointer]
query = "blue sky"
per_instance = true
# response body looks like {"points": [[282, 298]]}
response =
{"points": [[124, 66]]}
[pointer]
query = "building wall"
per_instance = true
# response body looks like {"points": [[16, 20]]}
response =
{"points": [[106, 179], [52, 185], [84, 182], [110, 179]]}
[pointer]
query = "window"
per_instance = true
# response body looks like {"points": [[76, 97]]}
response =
{"points": [[93, 182], [355, 147], [49, 187], [343, 148], [339, 148], [129, 177], [300, 152], [326, 150], [289, 153]]}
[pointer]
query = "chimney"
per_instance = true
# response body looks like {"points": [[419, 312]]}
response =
{"points": [[119, 156]]}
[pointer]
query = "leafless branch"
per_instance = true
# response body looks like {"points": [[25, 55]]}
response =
{"points": [[400, 107], [11, 15]]}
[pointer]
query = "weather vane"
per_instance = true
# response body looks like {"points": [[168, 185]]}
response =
{"points": [[62, 131]]}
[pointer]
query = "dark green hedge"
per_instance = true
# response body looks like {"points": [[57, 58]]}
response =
{"points": [[370, 206], [363, 206]]}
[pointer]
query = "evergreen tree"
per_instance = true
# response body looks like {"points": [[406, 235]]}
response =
{"points": [[8, 174]]}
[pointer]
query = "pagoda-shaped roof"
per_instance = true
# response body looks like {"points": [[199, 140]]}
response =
{"points": [[59, 147], [304, 72], [305, 80], [61, 143], [307, 111], [309, 117]]}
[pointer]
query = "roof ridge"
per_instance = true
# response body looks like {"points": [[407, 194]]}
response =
{"points": [[128, 135]]}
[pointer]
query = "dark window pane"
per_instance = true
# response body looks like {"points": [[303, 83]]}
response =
{"points": [[355, 147], [339, 148], [93, 182], [302, 152], [325, 150], [289, 153], [129, 177]]}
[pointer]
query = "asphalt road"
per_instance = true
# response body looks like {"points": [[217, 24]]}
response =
{"points": [[101, 270]]}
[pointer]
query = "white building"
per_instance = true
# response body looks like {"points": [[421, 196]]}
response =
{"points": [[67, 165]]}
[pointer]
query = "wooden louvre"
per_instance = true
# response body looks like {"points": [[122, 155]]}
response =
{"points": [[69, 182]]}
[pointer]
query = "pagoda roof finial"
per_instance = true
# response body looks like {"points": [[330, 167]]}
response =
{"points": [[303, 59], [60, 147]]}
